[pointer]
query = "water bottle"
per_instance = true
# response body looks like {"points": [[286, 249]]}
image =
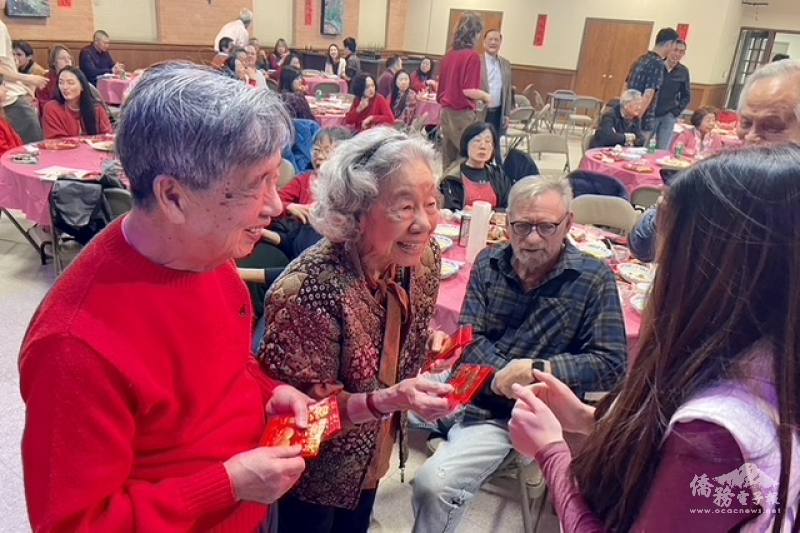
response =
{"points": [[651, 146], [318, 95]]}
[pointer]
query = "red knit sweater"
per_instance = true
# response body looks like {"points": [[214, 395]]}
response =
{"points": [[139, 383], [58, 121], [378, 107]]}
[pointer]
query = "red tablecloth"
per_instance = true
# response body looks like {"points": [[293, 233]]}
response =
{"points": [[631, 180], [112, 90], [430, 109], [311, 83], [21, 188], [452, 291]]}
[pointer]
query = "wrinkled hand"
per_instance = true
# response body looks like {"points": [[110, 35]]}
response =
{"points": [[436, 342], [37, 81], [288, 401], [270, 236], [515, 371], [533, 425], [425, 397], [300, 212], [574, 415], [264, 474]]}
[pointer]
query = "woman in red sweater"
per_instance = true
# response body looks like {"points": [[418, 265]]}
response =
{"points": [[369, 108], [703, 433], [9, 138], [144, 404], [75, 111]]}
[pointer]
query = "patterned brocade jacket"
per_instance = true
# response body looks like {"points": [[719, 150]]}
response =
{"points": [[325, 332]]}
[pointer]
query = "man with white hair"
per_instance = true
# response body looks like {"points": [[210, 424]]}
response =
{"points": [[538, 303], [769, 111], [236, 30], [622, 123], [144, 404]]}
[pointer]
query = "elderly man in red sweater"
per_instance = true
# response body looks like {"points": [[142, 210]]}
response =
{"points": [[144, 404]]}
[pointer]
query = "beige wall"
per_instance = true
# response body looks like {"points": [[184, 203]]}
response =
{"points": [[792, 42], [127, 20], [714, 28], [778, 15], [372, 24], [272, 19]]}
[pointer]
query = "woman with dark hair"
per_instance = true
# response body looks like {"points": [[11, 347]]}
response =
{"points": [[335, 64], [369, 108], [422, 80], [280, 54], [460, 84], [404, 99], [475, 176], [60, 57], [703, 433], [23, 57], [75, 110], [292, 63], [293, 94], [700, 140]]}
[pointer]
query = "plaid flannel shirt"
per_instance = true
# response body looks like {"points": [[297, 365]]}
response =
{"points": [[572, 319]]}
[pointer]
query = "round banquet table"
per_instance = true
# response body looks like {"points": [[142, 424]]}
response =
{"points": [[112, 90], [330, 121], [453, 290], [312, 82], [23, 189], [430, 109], [632, 180]]}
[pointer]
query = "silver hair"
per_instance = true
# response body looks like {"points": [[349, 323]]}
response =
{"points": [[532, 187], [245, 15], [196, 125], [351, 179], [630, 96], [783, 69]]}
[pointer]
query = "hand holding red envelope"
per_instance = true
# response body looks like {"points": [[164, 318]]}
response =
{"points": [[324, 423]]}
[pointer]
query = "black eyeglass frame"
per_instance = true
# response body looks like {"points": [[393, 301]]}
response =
{"points": [[544, 234]]}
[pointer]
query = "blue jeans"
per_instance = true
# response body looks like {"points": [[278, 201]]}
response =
{"points": [[664, 130], [449, 479]]}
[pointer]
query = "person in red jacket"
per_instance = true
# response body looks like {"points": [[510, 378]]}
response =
{"points": [[144, 404], [369, 108], [75, 111], [9, 138]]}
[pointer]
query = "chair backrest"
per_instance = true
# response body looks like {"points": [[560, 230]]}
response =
{"points": [[520, 100], [584, 182], [328, 87], [645, 196], [536, 98], [120, 201], [607, 211], [549, 143], [521, 114], [587, 105], [287, 174]]}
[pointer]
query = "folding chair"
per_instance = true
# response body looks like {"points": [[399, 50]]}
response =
{"points": [[645, 196], [562, 102], [606, 211], [550, 143], [519, 127], [586, 111], [520, 100]]}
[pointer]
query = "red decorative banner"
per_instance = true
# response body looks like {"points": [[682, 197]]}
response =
{"points": [[683, 31], [64, 3], [541, 30], [309, 12]]}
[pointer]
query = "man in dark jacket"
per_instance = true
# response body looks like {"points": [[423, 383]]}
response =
{"points": [[95, 60], [673, 98], [621, 124]]}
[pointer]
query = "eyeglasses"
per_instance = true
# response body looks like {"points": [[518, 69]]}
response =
{"points": [[544, 229]]}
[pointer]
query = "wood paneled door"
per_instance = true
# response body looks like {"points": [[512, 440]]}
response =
{"points": [[609, 48]]}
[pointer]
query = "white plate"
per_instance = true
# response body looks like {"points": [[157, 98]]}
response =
{"points": [[449, 268], [634, 273], [637, 302], [595, 249], [445, 243], [448, 230]]}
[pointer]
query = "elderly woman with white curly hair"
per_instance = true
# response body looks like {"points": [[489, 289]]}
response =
{"points": [[350, 318]]}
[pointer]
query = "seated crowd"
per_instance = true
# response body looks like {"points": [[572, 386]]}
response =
{"points": [[162, 403]]}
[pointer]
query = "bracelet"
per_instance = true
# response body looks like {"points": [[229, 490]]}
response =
{"points": [[373, 409]]}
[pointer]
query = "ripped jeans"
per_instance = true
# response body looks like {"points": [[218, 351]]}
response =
{"points": [[449, 479]]}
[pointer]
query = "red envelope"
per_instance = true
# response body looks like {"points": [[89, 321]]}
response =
{"points": [[324, 423], [460, 341], [468, 382]]}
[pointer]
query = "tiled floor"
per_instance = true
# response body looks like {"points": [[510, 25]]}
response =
{"points": [[23, 283]]}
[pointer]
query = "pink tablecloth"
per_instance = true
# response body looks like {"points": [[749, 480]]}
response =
{"points": [[21, 188], [631, 180], [430, 109], [311, 84], [453, 290], [112, 90]]}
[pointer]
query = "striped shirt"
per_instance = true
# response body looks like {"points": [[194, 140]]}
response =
{"points": [[572, 319]]}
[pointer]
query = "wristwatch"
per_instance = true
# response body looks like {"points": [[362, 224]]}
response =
{"points": [[542, 365]]}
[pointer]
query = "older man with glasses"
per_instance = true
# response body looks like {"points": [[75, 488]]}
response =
{"points": [[538, 303]]}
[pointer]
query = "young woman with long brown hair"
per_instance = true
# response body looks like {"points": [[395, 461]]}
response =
{"points": [[703, 433]]}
